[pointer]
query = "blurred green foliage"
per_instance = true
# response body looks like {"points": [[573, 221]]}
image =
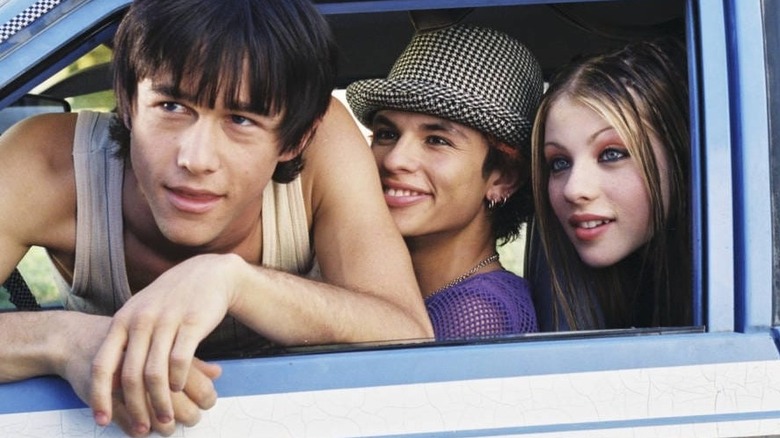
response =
{"points": [[100, 101], [38, 272], [512, 255]]}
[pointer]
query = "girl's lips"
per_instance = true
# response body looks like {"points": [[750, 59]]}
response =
{"points": [[192, 201], [589, 228], [593, 233]]}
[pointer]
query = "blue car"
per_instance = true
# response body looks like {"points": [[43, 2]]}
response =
{"points": [[719, 377]]}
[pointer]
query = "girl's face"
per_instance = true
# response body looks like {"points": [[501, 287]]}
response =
{"points": [[431, 172], [596, 188]]}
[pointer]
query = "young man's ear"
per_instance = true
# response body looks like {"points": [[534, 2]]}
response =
{"points": [[503, 183], [510, 176]]}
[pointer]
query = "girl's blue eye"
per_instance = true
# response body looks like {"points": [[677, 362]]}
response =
{"points": [[612, 154], [558, 165]]}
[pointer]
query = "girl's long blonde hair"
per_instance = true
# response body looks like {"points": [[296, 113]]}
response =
{"points": [[639, 89]]}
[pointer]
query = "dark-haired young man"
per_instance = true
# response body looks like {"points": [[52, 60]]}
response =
{"points": [[207, 195]]}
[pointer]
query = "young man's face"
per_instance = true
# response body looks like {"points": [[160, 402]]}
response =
{"points": [[202, 170], [431, 171]]}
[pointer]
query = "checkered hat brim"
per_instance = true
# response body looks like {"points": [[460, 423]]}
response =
{"points": [[475, 76]]}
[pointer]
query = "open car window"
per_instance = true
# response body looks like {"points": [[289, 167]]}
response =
{"points": [[717, 378], [372, 37]]}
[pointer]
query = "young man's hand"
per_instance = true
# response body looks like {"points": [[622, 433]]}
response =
{"points": [[148, 356], [75, 363], [198, 394]]}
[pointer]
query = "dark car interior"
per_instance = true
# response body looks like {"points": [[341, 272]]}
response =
{"points": [[555, 33]]}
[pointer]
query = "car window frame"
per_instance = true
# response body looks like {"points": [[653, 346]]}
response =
{"points": [[771, 12], [731, 267]]}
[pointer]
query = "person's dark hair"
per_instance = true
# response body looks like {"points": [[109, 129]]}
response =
{"points": [[640, 90], [283, 49], [507, 218]]}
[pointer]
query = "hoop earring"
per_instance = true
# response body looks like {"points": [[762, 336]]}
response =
{"points": [[494, 205]]}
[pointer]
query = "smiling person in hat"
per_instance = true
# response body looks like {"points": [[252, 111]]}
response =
{"points": [[451, 130]]}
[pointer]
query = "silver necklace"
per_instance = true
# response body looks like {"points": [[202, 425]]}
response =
{"points": [[491, 259]]}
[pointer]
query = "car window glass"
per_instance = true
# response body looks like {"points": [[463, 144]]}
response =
{"points": [[571, 30], [772, 35], [85, 83]]}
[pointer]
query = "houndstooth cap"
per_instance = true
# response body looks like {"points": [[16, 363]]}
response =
{"points": [[475, 76]]}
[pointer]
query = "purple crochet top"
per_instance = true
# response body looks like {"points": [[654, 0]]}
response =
{"points": [[484, 305]]}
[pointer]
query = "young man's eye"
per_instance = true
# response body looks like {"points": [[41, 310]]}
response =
{"points": [[240, 120], [172, 107], [612, 154], [383, 137], [438, 141]]}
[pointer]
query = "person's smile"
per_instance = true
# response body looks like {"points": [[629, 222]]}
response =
{"points": [[402, 195], [589, 227]]}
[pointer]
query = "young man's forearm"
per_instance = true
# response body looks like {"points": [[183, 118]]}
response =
{"points": [[326, 313], [34, 343]]}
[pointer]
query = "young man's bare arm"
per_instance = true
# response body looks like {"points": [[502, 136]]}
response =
{"points": [[373, 295], [369, 292], [38, 207], [34, 210], [356, 241]]}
